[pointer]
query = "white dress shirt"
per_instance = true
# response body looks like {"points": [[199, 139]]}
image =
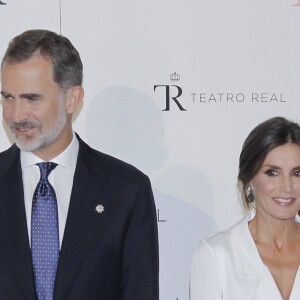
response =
{"points": [[227, 266], [61, 178]]}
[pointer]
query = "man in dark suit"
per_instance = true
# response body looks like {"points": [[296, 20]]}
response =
{"points": [[102, 243]]}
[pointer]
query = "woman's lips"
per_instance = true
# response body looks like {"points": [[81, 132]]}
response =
{"points": [[284, 201]]}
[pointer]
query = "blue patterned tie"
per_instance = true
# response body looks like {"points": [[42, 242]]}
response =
{"points": [[44, 234]]}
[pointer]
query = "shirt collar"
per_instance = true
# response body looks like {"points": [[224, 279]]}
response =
{"points": [[67, 158]]}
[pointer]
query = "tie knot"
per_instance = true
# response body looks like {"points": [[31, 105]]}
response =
{"points": [[46, 168]]}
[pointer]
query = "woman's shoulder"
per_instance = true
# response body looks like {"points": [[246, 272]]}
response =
{"points": [[226, 239]]}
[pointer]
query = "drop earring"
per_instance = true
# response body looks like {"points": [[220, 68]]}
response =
{"points": [[250, 197]]}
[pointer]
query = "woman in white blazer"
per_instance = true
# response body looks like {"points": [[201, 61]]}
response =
{"points": [[258, 258]]}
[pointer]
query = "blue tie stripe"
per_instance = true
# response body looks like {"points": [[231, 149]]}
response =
{"points": [[44, 234]]}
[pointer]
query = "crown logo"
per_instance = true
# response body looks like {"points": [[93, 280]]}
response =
{"points": [[175, 77]]}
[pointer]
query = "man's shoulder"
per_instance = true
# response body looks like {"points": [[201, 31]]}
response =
{"points": [[9, 154], [108, 164], [113, 164], [8, 157]]}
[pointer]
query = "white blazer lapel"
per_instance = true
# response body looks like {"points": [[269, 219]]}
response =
{"points": [[295, 295], [261, 283], [251, 271]]}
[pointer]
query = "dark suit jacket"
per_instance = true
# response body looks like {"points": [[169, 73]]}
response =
{"points": [[105, 256]]}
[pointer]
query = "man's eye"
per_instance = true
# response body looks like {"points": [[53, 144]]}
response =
{"points": [[271, 172], [7, 97], [32, 98]]}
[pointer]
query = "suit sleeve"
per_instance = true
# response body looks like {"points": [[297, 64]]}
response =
{"points": [[205, 278], [140, 257]]}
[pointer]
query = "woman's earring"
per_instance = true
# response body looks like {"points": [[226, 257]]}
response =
{"points": [[250, 197]]}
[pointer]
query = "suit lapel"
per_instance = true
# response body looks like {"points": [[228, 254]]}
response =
{"points": [[296, 288], [251, 261], [13, 226], [81, 216], [259, 282]]}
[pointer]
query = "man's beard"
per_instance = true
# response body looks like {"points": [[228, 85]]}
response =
{"points": [[45, 136]]}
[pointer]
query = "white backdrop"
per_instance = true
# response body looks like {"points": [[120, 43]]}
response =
{"points": [[238, 63]]}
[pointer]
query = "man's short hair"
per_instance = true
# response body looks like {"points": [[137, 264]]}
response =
{"points": [[67, 65]]}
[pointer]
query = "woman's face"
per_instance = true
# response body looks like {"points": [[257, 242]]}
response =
{"points": [[276, 186]]}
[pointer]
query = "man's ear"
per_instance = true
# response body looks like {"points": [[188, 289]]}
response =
{"points": [[74, 97]]}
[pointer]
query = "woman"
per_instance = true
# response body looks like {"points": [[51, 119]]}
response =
{"points": [[259, 257]]}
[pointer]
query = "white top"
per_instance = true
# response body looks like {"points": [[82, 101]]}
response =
{"points": [[61, 178], [227, 265]]}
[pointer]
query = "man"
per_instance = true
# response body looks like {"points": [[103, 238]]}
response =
{"points": [[74, 223]]}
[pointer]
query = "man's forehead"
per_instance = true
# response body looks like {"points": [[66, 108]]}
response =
{"points": [[36, 64], [29, 76], [36, 57]]}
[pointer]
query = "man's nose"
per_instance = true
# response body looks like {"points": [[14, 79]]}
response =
{"points": [[19, 111]]}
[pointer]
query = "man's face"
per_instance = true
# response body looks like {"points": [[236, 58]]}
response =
{"points": [[34, 106]]}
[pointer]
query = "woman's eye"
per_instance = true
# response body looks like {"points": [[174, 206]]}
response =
{"points": [[271, 172], [297, 173]]}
